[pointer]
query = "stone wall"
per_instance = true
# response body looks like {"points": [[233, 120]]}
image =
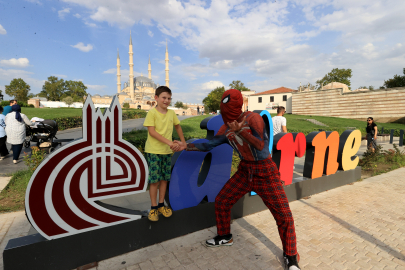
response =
{"points": [[384, 105]]}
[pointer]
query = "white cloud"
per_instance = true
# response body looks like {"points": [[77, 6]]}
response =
{"points": [[110, 71], [77, 15], [34, 1], [211, 85], [215, 74], [63, 12], [6, 75], [60, 76], [96, 87], [2, 30], [150, 33], [80, 46], [90, 24], [262, 38], [13, 62], [177, 58]]}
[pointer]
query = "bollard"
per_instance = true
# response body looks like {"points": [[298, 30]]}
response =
{"points": [[392, 136], [401, 137]]}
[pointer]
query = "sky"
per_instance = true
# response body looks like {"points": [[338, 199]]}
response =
{"points": [[264, 44]]}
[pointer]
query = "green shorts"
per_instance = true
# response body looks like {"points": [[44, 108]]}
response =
{"points": [[159, 167]]}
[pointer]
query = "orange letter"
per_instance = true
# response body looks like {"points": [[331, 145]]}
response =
{"points": [[322, 154], [350, 141]]}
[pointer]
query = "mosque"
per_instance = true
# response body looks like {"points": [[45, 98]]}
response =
{"points": [[139, 91]]}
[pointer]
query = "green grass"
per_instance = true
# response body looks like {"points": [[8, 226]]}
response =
{"points": [[50, 113], [12, 197], [191, 127], [298, 122]]}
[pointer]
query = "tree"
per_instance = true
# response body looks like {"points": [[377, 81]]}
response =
{"points": [[178, 104], [397, 81], [185, 107], [75, 89], [238, 85], [18, 89], [125, 105], [336, 75], [53, 89], [68, 100], [213, 100], [365, 87]]}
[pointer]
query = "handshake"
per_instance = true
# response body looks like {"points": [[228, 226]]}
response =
{"points": [[177, 146]]}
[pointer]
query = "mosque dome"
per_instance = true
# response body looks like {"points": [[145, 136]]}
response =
{"points": [[96, 95], [147, 98]]}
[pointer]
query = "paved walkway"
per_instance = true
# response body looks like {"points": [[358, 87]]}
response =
{"points": [[357, 226]]}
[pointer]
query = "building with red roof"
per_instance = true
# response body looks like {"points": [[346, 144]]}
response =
{"points": [[270, 100]]}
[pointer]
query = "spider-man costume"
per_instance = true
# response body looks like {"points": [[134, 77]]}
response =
{"points": [[256, 172]]}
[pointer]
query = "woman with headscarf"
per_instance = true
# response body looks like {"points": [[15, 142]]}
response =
{"points": [[15, 130]]}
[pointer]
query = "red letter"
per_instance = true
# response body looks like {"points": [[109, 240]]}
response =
{"points": [[286, 147]]}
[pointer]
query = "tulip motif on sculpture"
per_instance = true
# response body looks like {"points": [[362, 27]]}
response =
{"points": [[60, 197]]}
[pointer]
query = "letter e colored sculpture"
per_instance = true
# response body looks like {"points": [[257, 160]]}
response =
{"points": [[349, 144]]}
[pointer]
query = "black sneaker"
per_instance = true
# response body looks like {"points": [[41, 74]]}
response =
{"points": [[291, 262], [217, 241]]}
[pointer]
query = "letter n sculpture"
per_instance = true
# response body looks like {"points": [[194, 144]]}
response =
{"points": [[61, 195]]}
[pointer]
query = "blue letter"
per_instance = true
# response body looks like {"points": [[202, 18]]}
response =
{"points": [[197, 175]]}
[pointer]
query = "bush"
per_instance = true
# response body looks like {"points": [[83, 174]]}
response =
{"points": [[5, 103], [68, 122], [125, 105], [77, 121], [36, 157]]}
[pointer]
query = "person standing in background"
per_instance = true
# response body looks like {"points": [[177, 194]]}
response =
{"points": [[279, 121], [3, 136], [15, 130], [371, 134]]}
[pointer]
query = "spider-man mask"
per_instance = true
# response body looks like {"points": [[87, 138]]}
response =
{"points": [[231, 105]]}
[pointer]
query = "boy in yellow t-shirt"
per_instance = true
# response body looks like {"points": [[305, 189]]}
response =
{"points": [[159, 149]]}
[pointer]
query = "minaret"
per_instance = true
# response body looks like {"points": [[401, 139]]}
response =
{"points": [[167, 66], [131, 69], [118, 73], [149, 69]]}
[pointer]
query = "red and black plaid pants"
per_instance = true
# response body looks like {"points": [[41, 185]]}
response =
{"points": [[263, 178]]}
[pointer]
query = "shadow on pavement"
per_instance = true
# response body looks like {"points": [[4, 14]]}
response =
{"points": [[366, 236], [263, 238]]}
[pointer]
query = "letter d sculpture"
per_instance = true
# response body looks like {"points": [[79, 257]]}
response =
{"points": [[61, 194]]}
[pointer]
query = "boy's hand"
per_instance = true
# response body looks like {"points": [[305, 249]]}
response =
{"points": [[182, 146], [174, 146]]}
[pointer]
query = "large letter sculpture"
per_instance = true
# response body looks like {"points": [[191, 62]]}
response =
{"points": [[349, 144], [197, 175], [286, 147], [321, 154], [60, 196]]}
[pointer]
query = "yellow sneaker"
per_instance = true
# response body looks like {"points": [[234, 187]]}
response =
{"points": [[153, 215], [166, 211]]}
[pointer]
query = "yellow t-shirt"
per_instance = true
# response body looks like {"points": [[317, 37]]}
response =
{"points": [[163, 124]]}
